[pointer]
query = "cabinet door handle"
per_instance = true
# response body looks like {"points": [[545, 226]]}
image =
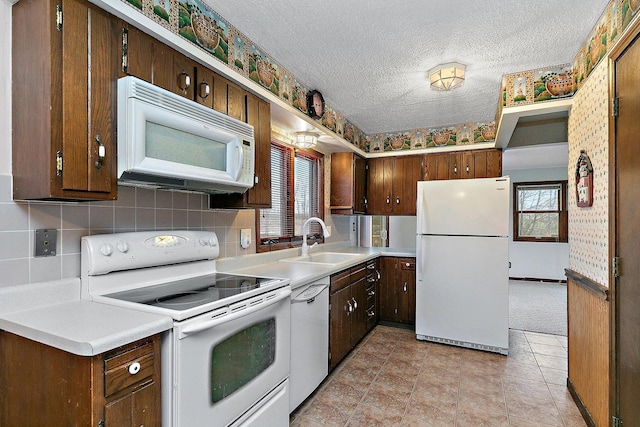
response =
{"points": [[350, 308], [184, 81], [388, 199], [134, 368], [397, 200], [378, 273], [371, 279], [205, 90], [455, 169], [102, 151], [355, 303], [404, 288], [467, 168], [371, 293], [371, 313]]}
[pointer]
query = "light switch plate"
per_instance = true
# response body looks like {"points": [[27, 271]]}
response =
{"points": [[46, 242], [245, 238]]}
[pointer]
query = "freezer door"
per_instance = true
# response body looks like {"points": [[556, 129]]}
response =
{"points": [[464, 207], [462, 289]]}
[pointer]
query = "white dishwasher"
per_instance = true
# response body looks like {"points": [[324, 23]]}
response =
{"points": [[309, 340]]}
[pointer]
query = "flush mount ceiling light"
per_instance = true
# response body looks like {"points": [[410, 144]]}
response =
{"points": [[447, 76], [305, 140]]}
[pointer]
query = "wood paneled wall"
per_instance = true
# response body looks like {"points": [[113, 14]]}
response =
{"points": [[589, 346]]}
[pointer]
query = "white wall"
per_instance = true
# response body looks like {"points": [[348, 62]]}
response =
{"points": [[543, 260]]}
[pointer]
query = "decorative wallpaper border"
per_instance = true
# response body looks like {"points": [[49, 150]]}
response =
{"points": [[199, 24]]}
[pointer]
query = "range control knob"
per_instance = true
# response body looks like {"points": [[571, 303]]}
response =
{"points": [[123, 247], [106, 249], [213, 241], [203, 241]]}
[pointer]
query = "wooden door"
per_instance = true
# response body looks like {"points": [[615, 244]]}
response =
{"points": [[203, 86], [360, 185], [406, 189], [388, 290], [236, 102], [437, 166], [139, 53], [375, 186], [88, 99], [339, 326], [407, 290], [627, 247], [494, 163], [467, 165], [260, 194], [359, 313]]}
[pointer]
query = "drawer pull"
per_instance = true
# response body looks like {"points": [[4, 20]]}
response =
{"points": [[134, 368]]}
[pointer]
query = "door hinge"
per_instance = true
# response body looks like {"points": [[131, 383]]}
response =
{"points": [[617, 422], [616, 266], [125, 50], [59, 17], [616, 107], [59, 163]]}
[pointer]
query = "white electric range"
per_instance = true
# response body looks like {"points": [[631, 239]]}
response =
{"points": [[226, 359]]}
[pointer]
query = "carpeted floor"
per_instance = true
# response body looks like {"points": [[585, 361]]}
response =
{"points": [[538, 307]]}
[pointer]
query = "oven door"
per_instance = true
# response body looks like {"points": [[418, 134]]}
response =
{"points": [[228, 360]]}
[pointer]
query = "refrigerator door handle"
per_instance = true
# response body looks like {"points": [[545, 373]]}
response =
{"points": [[419, 260]]}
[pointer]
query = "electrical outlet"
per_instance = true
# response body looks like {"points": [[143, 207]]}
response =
{"points": [[245, 238], [46, 242]]}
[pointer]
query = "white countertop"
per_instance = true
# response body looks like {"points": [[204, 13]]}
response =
{"points": [[53, 313]]}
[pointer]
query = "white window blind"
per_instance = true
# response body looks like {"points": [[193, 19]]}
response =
{"points": [[296, 184]]}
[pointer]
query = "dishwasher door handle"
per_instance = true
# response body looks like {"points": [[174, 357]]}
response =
{"points": [[309, 297]]}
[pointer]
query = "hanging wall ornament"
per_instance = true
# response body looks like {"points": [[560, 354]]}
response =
{"points": [[315, 104], [584, 181]]}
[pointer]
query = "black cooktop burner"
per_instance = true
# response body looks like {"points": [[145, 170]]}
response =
{"points": [[193, 292]]}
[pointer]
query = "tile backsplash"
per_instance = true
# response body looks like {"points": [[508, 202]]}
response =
{"points": [[137, 209]]}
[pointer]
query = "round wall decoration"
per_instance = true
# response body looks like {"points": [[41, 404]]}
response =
{"points": [[315, 104]]}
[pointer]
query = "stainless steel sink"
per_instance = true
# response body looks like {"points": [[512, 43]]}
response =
{"points": [[322, 258]]}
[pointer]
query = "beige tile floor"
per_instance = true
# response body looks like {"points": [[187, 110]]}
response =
{"points": [[391, 379]]}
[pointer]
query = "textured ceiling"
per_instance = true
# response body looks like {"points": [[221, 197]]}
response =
{"points": [[369, 58]]}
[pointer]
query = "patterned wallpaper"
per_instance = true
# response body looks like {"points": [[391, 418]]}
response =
{"points": [[589, 131]]}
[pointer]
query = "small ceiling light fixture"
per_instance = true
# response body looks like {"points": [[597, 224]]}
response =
{"points": [[447, 76], [305, 140]]}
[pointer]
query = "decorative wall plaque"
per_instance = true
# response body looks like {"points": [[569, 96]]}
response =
{"points": [[584, 181]]}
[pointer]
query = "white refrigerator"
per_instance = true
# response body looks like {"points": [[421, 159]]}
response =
{"points": [[462, 268]]}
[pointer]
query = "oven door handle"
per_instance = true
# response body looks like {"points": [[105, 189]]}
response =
{"points": [[235, 311]]}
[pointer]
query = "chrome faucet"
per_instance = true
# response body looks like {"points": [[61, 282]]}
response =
{"points": [[305, 247]]}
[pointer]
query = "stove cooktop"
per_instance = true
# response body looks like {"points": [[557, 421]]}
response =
{"points": [[189, 293]]}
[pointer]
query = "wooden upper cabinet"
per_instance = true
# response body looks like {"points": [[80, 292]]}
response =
{"points": [[348, 183], [392, 184], [464, 164], [64, 128]]}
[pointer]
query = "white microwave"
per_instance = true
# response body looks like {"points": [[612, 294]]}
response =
{"points": [[167, 141]]}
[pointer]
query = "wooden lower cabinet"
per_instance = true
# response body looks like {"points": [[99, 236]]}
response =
{"points": [[398, 290], [347, 312], [43, 385]]}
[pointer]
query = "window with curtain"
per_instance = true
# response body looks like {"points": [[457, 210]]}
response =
{"points": [[540, 211], [296, 195]]}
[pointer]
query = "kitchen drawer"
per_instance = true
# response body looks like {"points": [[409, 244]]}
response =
{"points": [[129, 368], [358, 272], [371, 317], [407, 263], [340, 280]]}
